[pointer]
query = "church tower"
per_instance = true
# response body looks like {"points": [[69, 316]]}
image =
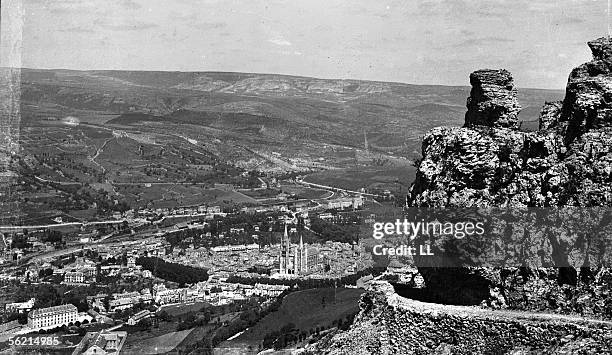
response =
{"points": [[288, 264], [283, 253], [303, 256]]}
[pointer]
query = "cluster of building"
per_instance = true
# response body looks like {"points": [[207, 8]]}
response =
{"points": [[226, 260], [234, 248], [20, 307], [163, 295], [104, 342], [147, 213], [8, 253], [214, 291], [289, 259], [127, 300], [139, 317], [343, 203]]}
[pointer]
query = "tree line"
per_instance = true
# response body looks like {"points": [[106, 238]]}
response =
{"points": [[181, 274]]}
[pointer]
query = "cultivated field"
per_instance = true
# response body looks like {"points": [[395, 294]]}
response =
{"points": [[393, 179]]}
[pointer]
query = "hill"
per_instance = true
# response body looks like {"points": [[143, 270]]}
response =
{"points": [[116, 130], [307, 310], [268, 106]]}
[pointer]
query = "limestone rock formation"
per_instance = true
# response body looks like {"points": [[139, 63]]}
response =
{"points": [[550, 114], [567, 162], [588, 100], [492, 101]]}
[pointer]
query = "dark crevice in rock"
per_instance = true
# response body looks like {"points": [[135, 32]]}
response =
{"points": [[462, 287]]}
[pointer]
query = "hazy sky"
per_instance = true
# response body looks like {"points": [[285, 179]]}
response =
{"points": [[413, 41]]}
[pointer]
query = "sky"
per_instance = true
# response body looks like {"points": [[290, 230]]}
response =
{"points": [[411, 41]]}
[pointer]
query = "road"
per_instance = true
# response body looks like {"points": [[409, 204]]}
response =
{"points": [[332, 188], [426, 307], [98, 151], [124, 239], [57, 182], [55, 225]]}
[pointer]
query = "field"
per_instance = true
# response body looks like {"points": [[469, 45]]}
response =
{"points": [[170, 195], [302, 192], [196, 335], [46, 217], [157, 345], [306, 309], [395, 179], [259, 194]]}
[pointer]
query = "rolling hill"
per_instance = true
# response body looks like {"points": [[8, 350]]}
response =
{"points": [[267, 122], [394, 115]]}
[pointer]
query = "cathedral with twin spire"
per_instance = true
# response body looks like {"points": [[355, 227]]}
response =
{"points": [[295, 259]]}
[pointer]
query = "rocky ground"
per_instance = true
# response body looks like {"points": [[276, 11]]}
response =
{"points": [[390, 324]]}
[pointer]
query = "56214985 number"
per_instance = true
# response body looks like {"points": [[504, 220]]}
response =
{"points": [[44, 341]]}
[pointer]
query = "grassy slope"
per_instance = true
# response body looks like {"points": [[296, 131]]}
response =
{"points": [[160, 344], [354, 179], [305, 309]]}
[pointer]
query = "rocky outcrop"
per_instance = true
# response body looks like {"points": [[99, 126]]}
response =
{"points": [[390, 324], [489, 162], [588, 100], [492, 101], [550, 114], [567, 162]]}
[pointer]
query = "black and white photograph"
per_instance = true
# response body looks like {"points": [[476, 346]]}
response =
{"points": [[304, 177]]}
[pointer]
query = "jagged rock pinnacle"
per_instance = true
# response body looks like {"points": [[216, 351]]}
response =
{"points": [[588, 104], [601, 48], [492, 101]]}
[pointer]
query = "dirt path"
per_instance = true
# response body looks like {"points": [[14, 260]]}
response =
{"points": [[467, 311], [98, 151]]}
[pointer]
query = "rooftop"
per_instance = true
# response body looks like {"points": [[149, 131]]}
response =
{"points": [[65, 308]]}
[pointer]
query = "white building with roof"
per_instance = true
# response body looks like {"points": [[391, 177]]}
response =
{"points": [[136, 318], [101, 343], [21, 307], [74, 277], [51, 317]]}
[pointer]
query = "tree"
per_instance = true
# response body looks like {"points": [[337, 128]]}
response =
{"points": [[146, 323], [164, 316]]}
